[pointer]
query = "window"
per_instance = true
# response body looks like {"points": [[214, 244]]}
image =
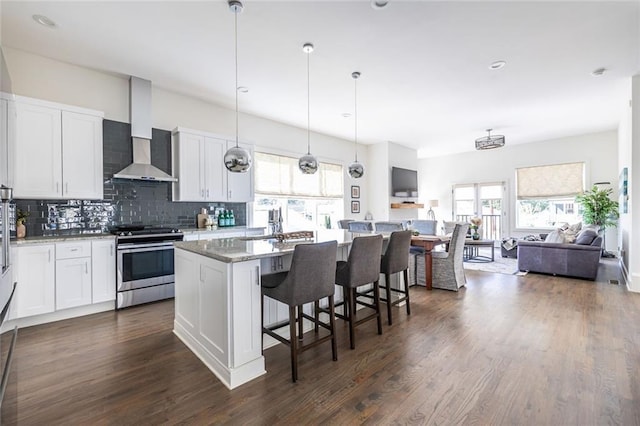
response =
{"points": [[306, 201], [484, 200], [545, 195]]}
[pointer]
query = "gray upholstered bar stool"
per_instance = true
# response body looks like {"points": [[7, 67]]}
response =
{"points": [[394, 260], [311, 278], [388, 226], [344, 223], [360, 226], [361, 268]]}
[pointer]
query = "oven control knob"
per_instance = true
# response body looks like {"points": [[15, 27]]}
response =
{"points": [[129, 234]]}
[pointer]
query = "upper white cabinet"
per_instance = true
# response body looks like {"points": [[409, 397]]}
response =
{"points": [[4, 143], [198, 164], [55, 151]]}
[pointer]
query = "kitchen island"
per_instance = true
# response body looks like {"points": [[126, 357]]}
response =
{"points": [[217, 299]]}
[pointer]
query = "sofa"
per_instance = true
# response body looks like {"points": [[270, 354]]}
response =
{"points": [[579, 259]]}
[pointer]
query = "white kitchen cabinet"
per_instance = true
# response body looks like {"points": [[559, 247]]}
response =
{"points": [[35, 272], [73, 274], [103, 270], [55, 151], [4, 147], [198, 164]]}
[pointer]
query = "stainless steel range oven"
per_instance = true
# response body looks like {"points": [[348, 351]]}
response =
{"points": [[144, 265]]}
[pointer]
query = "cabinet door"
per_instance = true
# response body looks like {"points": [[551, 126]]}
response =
{"points": [[4, 148], [240, 185], [73, 282], [215, 176], [35, 274], [103, 270], [36, 152], [188, 167], [81, 156], [247, 324]]}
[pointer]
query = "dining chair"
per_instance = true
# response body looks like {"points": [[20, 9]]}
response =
{"points": [[344, 223], [311, 278], [389, 226], [448, 268], [425, 227], [360, 226]]}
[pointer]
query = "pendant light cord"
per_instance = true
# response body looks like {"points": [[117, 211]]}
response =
{"points": [[308, 107], [236, 54], [355, 113]]}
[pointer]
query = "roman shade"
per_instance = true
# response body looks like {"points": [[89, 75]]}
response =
{"points": [[553, 181], [279, 175]]}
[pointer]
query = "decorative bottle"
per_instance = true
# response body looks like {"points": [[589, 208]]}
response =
{"points": [[232, 218]]}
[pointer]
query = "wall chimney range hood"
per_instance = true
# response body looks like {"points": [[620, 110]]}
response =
{"points": [[140, 114]]}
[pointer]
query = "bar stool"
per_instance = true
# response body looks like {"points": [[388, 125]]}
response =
{"points": [[394, 260], [355, 226], [361, 268], [311, 278]]}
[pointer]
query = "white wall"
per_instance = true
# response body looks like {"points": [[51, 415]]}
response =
{"points": [[44, 78], [406, 158], [624, 160], [599, 152], [634, 189]]}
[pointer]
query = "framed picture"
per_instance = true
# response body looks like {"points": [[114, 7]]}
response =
{"points": [[355, 191], [355, 207]]}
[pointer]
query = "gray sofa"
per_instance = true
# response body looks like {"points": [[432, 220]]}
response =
{"points": [[572, 260]]}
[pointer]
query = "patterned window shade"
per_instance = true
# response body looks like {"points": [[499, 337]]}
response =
{"points": [[554, 181], [279, 175]]}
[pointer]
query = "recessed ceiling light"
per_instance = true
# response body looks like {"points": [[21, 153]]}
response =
{"points": [[598, 72], [379, 4], [243, 89], [497, 65], [43, 20], [346, 114]]}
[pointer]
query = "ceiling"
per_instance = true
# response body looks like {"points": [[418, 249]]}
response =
{"points": [[425, 81]]}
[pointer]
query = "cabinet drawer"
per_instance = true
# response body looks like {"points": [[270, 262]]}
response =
{"points": [[73, 250]]}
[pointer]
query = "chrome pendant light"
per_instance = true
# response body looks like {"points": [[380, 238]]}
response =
{"points": [[237, 159], [490, 141], [356, 170], [308, 164]]}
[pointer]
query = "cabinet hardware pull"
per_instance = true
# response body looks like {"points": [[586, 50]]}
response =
{"points": [[207, 193], [258, 275], [66, 188], [86, 268], [111, 250], [49, 252], [74, 249], [57, 187]]}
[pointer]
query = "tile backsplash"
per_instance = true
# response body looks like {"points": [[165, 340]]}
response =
{"points": [[125, 201]]}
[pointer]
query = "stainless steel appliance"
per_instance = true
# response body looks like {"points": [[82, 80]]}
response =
{"points": [[144, 262], [7, 290], [275, 221]]}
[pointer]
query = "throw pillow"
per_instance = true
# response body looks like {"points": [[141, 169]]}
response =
{"points": [[555, 237], [586, 237]]}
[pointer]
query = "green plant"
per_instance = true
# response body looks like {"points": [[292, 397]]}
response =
{"points": [[597, 208], [21, 217]]}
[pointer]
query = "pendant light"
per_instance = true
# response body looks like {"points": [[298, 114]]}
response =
{"points": [[356, 170], [490, 141], [308, 164], [237, 159]]}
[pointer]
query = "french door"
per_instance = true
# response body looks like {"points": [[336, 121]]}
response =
{"points": [[485, 200]]}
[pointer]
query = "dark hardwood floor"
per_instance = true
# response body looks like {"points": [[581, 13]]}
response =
{"points": [[536, 350]]}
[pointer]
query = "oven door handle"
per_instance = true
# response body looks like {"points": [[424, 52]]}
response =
{"points": [[133, 248]]}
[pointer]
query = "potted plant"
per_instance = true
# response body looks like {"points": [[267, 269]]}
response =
{"points": [[598, 209], [21, 230]]}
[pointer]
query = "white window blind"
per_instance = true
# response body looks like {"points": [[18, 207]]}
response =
{"points": [[558, 180], [279, 175]]}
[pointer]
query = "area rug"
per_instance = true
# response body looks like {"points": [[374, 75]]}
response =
{"points": [[501, 265]]}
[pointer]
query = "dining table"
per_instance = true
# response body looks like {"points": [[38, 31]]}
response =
{"points": [[428, 243]]}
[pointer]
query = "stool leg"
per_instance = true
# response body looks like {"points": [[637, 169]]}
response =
{"points": [[332, 325], [293, 343], [316, 312], [406, 289], [300, 322], [352, 316], [387, 282], [376, 302]]}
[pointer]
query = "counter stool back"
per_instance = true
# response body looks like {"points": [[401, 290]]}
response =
{"points": [[310, 279], [394, 260], [361, 268]]}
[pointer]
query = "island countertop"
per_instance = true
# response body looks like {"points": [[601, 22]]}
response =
{"points": [[241, 249]]}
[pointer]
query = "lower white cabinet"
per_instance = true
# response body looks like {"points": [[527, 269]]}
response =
{"points": [[73, 282], [103, 269], [35, 274]]}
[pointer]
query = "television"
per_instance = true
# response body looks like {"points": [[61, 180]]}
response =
{"points": [[404, 182]]}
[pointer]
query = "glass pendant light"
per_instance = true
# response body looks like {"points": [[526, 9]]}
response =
{"points": [[308, 164], [237, 159], [356, 170]]}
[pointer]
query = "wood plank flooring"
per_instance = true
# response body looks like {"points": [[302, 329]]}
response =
{"points": [[532, 350]]}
